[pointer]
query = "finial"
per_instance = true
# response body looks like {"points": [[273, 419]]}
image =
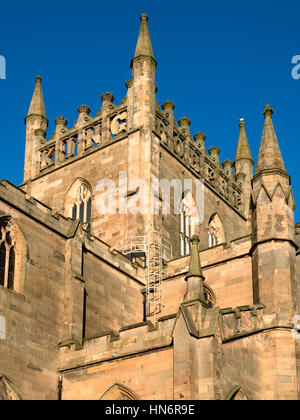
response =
{"points": [[184, 122], [84, 109], [200, 137], [269, 111], [61, 121], [107, 97], [195, 239], [144, 17], [38, 79], [168, 106], [242, 122]]}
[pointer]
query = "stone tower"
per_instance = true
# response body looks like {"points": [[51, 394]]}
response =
{"points": [[75, 317], [274, 248], [90, 151]]}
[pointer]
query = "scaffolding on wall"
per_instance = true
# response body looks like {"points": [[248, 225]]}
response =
{"points": [[155, 252]]}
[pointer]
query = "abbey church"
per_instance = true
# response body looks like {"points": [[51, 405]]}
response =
{"points": [[126, 305]]}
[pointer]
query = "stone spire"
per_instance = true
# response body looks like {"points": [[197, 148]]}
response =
{"points": [[35, 121], [273, 230], [37, 106], [195, 276], [144, 46], [269, 153], [243, 149], [142, 107], [243, 168]]}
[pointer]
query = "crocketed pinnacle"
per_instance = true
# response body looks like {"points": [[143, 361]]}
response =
{"points": [[37, 106], [269, 153], [243, 149]]}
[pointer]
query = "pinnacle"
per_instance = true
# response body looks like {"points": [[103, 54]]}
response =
{"points": [[269, 153], [37, 106], [243, 149], [195, 269], [144, 46]]}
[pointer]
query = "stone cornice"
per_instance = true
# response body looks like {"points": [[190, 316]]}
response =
{"points": [[271, 171], [143, 57], [28, 117], [272, 239]]}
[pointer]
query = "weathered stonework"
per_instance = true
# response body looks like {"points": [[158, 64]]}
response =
{"points": [[76, 324]]}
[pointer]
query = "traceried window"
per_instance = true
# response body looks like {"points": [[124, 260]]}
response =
{"points": [[7, 257], [185, 225], [82, 206], [215, 232]]}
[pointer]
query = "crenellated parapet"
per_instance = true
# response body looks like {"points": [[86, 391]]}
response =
{"points": [[193, 154], [241, 321], [111, 345]]}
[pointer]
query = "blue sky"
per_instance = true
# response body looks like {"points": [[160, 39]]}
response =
{"points": [[217, 61]]}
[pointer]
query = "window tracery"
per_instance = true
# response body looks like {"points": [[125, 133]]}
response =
{"points": [[81, 207], [7, 257], [215, 232]]}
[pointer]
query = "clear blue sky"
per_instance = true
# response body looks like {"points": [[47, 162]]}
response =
{"points": [[218, 61]]}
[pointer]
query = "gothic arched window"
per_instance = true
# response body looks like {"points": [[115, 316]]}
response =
{"points": [[81, 207], [215, 232], [7, 257]]}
